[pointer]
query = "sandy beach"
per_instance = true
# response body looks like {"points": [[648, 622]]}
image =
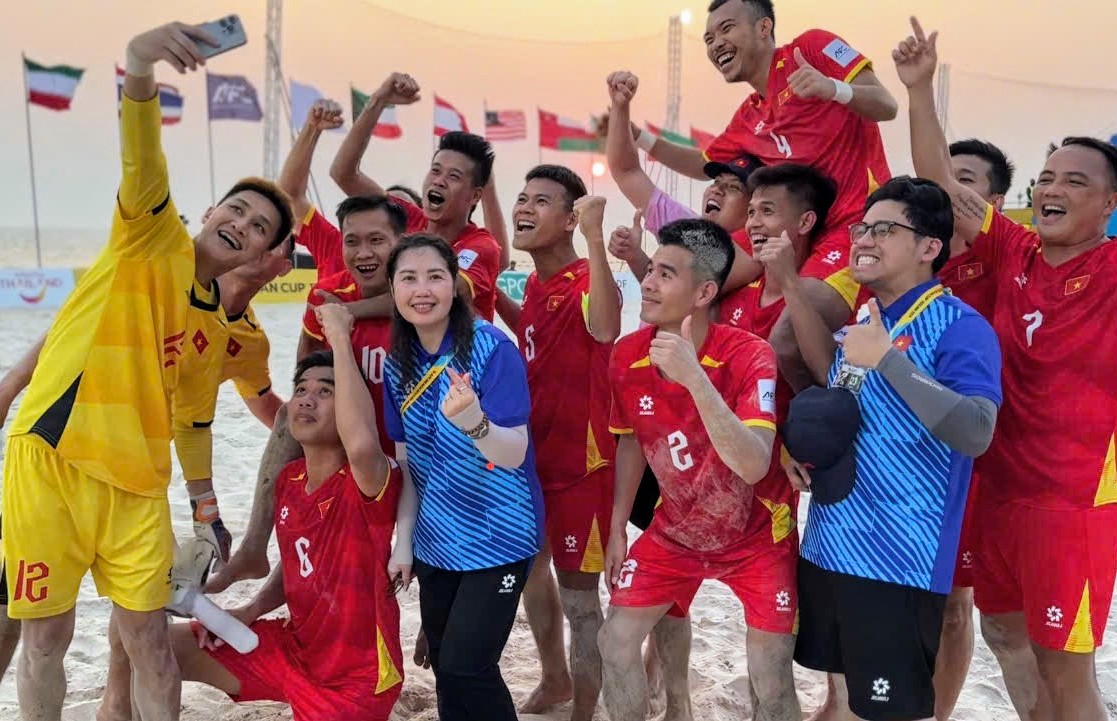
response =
{"points": [[718, 676]]}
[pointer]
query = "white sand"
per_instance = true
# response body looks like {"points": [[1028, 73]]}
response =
{"points": [[718, 668]]}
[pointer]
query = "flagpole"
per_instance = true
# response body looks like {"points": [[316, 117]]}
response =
{"points": [[209, 145], [539, 144], [31, 161]]}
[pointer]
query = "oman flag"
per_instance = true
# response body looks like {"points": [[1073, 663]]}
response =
{"points": [[447, 118], [558, 133], [701, 138], [676, 138], [387, 126], [51, 86]]}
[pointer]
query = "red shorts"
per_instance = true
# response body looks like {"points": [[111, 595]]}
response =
{"points": [[578, 520], [273, 672], [1056, 566], [967, 542], [762, 576]]}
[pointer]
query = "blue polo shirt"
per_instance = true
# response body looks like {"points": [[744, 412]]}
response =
{"points": [[470, 516], [900, 523]]}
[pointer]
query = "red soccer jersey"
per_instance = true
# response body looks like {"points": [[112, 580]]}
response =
{"points": [[971, 281], [1054, 442], [334, 545], [778, 127], [372, 339], [478, 258], [323, 240], [567, 374], [706, 509]]}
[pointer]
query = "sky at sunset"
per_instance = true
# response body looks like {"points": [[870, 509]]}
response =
{"points": [[1020, 77]]}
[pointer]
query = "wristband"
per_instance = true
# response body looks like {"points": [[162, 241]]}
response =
{"points": [[843, 92], [136, 67], [204, 507], [480, 431], [645, 141], [468, 417]]}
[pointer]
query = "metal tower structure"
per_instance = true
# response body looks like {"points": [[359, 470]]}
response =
{"points": [[674, 87], [273, 88]]}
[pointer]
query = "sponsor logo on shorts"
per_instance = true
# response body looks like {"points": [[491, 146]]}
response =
{"points": [[507, 583], [628, 570], [783, 602], [571, 544], [967, 559], [881, 687], [647, 406], [1054, 617]]}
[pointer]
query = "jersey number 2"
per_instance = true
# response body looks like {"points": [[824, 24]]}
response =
{"points": [[529, 342], [678, 444]]}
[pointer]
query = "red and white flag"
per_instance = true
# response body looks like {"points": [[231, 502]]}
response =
{"points": [[505, 125], [447, 118]]}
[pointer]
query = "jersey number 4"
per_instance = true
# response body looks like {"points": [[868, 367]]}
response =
{"points": [[302, 548], [678, 444]]}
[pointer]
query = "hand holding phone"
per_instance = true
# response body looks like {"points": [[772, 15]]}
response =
{"points": [[229, 32]]}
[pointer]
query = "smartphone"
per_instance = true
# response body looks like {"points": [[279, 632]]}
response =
{"points": [[229, 31]]}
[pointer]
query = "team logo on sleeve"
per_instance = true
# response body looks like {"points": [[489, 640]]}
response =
{"points": [[766, 392], [466, 258], [839, 52]]}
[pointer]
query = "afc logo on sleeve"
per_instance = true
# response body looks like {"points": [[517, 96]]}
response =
{"points": [[766, 393], [466, 258], [839, 52]]}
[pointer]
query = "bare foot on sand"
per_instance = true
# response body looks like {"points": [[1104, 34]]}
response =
{"points": [[549, 693]]}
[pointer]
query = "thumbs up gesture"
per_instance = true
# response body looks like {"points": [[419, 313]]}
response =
{"points": [[865, 345], [807, 82], [676, 357]]}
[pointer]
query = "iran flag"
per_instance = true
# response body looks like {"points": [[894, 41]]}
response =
{"points": [[447, 118], [51, 86]]}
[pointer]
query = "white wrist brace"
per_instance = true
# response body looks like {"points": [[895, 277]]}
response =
{"points": [[645, 141], [843, 92], [136, 67]]}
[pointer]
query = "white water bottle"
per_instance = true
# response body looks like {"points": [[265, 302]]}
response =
{"points": [[192, 561]]}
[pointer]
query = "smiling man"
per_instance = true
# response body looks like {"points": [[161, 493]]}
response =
{"points": [[453, 187], [1050, 471], [88, 454]]}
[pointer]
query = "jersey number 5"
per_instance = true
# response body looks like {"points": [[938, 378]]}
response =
{"points": [[529, 342], [1035, 320], [302, 546], [679, 456]]}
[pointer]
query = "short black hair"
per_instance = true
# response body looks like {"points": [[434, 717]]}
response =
{"points": [[473, 147], [317, 359], [1001, 168], [927, 208], [570, 181], [276, 196], [1106, 149], [397, 217], [707, 241], [759, 9], [409, 192], [811, 187]]}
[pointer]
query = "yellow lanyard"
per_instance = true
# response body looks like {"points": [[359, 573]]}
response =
{"points": [[921, 304], [426, 381]]}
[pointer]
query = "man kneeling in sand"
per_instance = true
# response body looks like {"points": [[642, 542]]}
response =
{"points": [[336, 508]]}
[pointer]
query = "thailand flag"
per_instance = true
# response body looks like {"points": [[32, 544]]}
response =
{"points": [[170, 100]]}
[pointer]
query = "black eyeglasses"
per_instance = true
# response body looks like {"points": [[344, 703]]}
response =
{"points": [[879, 230]]}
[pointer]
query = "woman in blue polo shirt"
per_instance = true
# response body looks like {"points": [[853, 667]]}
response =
{"points": [[457, 405]]}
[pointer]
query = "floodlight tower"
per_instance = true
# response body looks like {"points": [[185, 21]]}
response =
{"points": [[674, 82], [273, 87]]}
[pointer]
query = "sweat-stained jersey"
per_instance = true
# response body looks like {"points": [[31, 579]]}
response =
{"points": [[706, 509]]}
